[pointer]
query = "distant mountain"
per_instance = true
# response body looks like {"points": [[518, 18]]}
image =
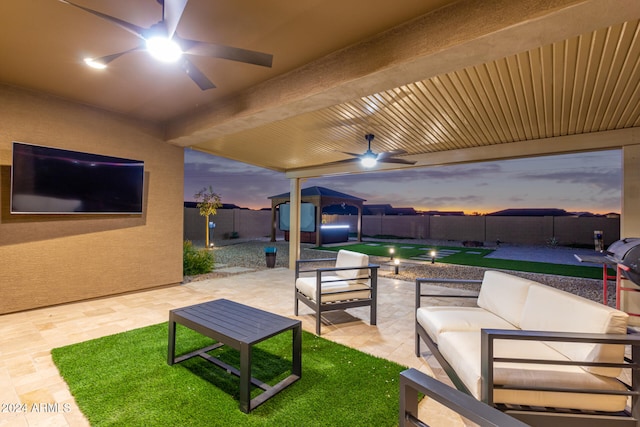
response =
{"points": [[531, 212]]}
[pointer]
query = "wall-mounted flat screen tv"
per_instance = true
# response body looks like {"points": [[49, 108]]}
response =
{"points": [[307, 217], [47, 180]]}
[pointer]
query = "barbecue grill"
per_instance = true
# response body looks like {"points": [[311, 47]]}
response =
{"points": [[626, 253]]}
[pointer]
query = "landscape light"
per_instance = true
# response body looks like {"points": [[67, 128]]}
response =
{"points": [[392, 251], [396, 265], [433, 256]]}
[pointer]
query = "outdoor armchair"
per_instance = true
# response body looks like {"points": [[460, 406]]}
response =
{"points": [[350, 282]]}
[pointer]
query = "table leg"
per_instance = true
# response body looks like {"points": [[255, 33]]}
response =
{"points": [[296, 348], [245, 377], [171, 353]]}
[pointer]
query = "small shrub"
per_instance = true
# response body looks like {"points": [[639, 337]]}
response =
{"points": [[195, 261], [553, 242]]}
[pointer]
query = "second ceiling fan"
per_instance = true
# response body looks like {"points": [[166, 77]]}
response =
{"points": [[369, 158], [164, 44]]}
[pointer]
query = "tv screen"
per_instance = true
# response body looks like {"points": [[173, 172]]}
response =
{"points": [[46, 180], [307, 217]]}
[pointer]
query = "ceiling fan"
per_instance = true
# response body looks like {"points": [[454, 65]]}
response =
{"points": [[369, 159], [164, 44]]}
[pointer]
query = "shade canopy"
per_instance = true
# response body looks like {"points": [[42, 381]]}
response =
{"points": [[320, 197]]}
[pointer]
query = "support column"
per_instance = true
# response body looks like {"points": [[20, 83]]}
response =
{"points": [[273, 222], [360, 209], [294, 222], [630, 221], [630, 215], [318, 220]]}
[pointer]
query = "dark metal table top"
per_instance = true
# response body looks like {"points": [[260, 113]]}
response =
{"points": [[240, 327], [236, 321]]}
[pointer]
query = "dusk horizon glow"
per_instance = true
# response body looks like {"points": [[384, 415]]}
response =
{"points": [[581, 182]]}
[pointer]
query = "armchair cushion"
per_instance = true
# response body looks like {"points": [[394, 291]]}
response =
{"points": [[333, 290], [348, 259], [340, 287]]}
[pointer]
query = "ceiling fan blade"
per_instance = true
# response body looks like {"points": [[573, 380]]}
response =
{"points": [[351, 154], [108, 58], [386, 154], [195, 47], [172, 11], [132, 28], [196, 75], [396, 160]]}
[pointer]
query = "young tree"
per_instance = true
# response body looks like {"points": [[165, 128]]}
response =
{"points": [[208, 203]]}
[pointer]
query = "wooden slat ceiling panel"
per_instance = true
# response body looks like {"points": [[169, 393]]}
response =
{"points": [[584, 84]]}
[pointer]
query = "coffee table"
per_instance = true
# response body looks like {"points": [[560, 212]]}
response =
{"points": [[240, 327]]}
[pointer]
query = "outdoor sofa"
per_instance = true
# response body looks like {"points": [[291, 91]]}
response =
{"points": [[544, 356], [350, 282]]}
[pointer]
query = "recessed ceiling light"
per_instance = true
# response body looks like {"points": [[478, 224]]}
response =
{"points": [[91, 62]]}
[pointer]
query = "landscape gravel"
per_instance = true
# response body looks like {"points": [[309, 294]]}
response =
{"points": [[250, 255]]}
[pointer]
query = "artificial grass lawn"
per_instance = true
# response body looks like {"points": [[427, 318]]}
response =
{"points": [[475, 257], [124, 380]]}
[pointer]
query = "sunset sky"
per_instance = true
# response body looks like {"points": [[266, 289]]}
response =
{"points": [[576, 182]]}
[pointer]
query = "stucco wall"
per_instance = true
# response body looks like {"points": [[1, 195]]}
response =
{"points": [[52, 259]]}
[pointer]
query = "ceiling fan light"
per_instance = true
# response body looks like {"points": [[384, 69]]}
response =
{"points": [[93, 63], [164, 49], [368, 161]]}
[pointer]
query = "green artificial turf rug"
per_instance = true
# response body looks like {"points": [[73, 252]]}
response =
{"points": [[124, 380]]}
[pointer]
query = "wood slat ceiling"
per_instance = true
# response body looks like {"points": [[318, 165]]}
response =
{"points": [[587, 83]]}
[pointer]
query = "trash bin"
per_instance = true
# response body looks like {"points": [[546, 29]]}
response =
{"points": [[270, 255]]}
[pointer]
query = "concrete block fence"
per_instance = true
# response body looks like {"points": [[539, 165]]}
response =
{"points": [[241, 223]]}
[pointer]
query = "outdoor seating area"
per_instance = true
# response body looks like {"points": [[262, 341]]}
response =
{"points": [[535, 352], [26, 338], [32, 378], [473, 136]]}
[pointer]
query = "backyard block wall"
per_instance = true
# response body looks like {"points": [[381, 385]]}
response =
{"points": [[53, 259], [246, 223], [520, 229], [458, 228], [507, 229]]}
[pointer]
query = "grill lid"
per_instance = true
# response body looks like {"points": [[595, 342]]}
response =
{"points": [[627, 253]]}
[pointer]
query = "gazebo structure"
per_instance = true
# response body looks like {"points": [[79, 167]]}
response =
{"points": [[319, 197]]}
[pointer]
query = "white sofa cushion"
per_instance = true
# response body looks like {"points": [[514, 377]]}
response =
{"points": [[436, 320], [352, 259], [333, 288], [462, 350], [550, 309], [504, 295]]}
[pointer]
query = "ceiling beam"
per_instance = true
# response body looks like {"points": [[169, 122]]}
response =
{"points": [[595, 141], [465, 33]]}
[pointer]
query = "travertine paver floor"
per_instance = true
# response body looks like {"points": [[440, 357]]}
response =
{"points": [[30, 381]]}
